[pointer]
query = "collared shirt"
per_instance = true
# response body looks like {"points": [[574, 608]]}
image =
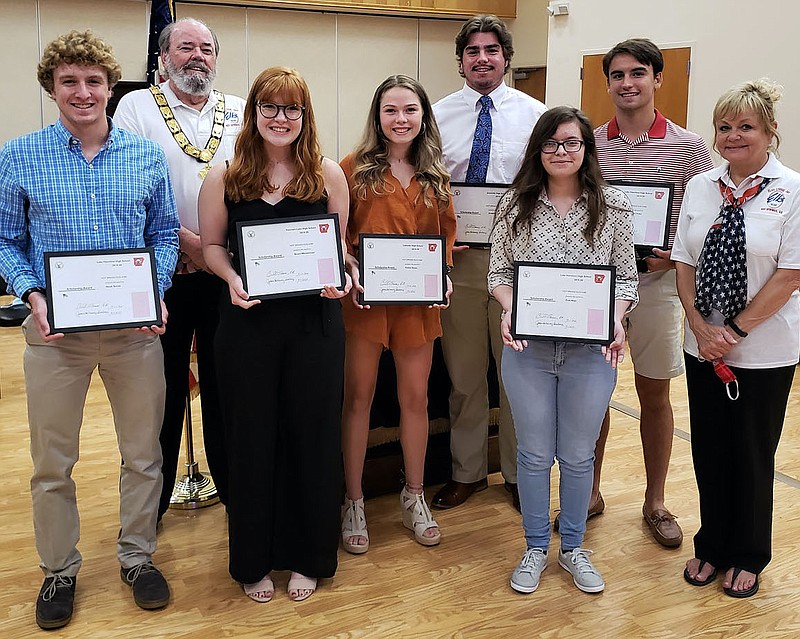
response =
{"points": [[137, 112], [772, 229], [52, 199], [547, 237], [513, 116], [665, 153]]}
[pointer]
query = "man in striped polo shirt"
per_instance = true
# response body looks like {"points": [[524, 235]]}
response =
{"points": [[641, 145]]}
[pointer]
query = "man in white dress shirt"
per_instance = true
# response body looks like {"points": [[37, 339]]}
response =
{"points": [[197, 127], [501, 125]]}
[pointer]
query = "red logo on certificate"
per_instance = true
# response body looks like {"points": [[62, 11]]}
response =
{"points": [[138, 261], [432, 247], [659, 194], [323, 228], [599, 277]]}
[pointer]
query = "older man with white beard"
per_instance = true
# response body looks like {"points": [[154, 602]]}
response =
{"points": [[197, 128]]}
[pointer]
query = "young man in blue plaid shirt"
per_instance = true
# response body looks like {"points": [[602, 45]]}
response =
{"points": [[79, 185]]}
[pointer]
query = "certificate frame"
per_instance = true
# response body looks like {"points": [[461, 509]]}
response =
{"points": [[661, 240], [368, 247], [335, 254], [478, 234], [529, 277], [54, 262]]}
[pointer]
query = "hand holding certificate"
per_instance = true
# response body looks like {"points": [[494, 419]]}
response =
{"points": [[652, 211], [97, 290], [475, 206], [402, 269], [564, 302], [292, 256]]}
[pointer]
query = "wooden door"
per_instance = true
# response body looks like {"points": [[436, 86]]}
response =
{"points": [[531, 80], [672, 99]]}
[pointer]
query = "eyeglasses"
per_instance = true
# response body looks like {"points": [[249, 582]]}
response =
{"points": [[570, 146], [291, 111]]}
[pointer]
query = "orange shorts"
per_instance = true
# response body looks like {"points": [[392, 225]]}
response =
{"points": [[395, 327]]}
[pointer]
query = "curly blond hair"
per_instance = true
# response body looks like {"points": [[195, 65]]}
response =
{"points": [[77, 47]]}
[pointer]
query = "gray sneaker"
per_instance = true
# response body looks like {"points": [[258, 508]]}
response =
{"points": [[525, 577], [584, 574]]}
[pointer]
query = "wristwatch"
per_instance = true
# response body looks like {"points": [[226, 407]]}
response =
{"points": [[26, 295]]}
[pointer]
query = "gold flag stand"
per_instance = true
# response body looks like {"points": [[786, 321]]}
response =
{"points": [[194, 489]]}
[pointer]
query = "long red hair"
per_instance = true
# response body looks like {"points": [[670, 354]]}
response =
{"points": [[247, 177]]}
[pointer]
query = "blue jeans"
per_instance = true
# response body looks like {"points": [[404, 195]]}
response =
{"points": [[559, 392]]}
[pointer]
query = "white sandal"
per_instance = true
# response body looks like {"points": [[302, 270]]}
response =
{"points": [[354, 524], [302, 587], [260, 591], [417, 517]]}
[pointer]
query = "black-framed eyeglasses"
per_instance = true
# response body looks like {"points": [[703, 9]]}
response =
{"points": [[291, 111], [570, 146]]}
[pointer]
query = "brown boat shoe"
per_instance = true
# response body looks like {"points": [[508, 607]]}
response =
{"points": [[665, 529]]}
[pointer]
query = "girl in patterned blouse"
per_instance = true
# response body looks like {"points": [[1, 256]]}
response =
{"points": [[558, 210]]}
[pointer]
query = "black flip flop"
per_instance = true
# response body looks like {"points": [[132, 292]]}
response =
{"points": [[741, 594], [698, 582]]}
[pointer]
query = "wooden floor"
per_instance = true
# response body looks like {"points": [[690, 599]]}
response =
{"points": [[399, 589]]}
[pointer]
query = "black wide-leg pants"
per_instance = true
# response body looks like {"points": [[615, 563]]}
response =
{"points": [[733, 452], [280, 370]]}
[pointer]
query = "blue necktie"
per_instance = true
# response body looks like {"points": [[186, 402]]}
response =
{"points": [[481, 144]]}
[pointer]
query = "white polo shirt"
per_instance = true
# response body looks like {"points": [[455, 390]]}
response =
{"points": [[513, 116], [772, 229], [138, 112]]}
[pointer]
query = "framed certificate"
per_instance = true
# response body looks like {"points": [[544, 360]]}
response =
{"points": [[475, 206], [652, 211], [402, 269], [565, 302], [98, 290], [290, 256]]}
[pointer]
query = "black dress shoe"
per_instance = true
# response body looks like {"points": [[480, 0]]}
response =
{"points": [[150, 589], [454, 493], [512, 488], [54, 604]]}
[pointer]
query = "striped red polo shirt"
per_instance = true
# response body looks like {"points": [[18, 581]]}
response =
{"points": [[665, 153]]}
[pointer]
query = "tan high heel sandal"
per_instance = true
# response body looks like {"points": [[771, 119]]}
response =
{"points": [[417, 517], [354, 524]]}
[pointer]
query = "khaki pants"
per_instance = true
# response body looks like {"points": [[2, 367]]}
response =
{"points": [[57, 376], [468, 326]]}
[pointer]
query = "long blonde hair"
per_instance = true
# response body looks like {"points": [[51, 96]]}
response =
{"points": [[370, 157], [247, 177]]}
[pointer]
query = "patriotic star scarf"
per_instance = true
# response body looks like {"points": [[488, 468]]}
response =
{"points": [[721, 277]]}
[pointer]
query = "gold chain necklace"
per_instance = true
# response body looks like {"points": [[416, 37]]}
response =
{"points": [[204, 156]]}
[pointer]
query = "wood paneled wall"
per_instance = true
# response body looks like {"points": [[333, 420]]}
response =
{"points": [[445, 8]]}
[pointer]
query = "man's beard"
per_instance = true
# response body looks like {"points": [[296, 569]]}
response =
{"points": [[191, 83]]}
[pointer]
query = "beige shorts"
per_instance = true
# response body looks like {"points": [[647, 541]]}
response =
{"points": [[655, 327]]}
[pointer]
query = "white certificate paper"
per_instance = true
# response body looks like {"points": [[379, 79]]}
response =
{"points": [[284, 257], [97, 290], [652, 211], [565, 302], [475, 206], [402, 269]]}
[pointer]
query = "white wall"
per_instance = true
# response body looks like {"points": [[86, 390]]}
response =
{"points": [[732, 42], [530, 33]]}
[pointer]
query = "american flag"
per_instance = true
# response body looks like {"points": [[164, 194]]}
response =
{"points": [[162, 12]]}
